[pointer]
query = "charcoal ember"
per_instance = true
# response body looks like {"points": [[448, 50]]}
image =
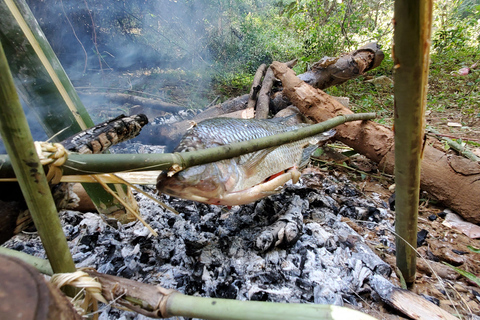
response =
{"points": [[226, 291], [320, 236], [324, 295], [421, 237], [286, 230]]}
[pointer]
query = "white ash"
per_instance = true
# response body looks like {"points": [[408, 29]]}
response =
{"points": [[209, 250]]}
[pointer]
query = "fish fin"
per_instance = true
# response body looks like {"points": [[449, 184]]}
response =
{"points": [[251, 160], [307, 152]]}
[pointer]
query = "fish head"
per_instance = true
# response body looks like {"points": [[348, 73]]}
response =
{"points": [[206, 183]]}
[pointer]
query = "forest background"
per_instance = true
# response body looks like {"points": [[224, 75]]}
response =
{"points": [[193, 53]]}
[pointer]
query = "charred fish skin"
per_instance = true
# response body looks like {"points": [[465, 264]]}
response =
{"points": [[243, 179]]}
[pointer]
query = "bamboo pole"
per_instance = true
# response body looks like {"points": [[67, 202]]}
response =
{"points": [[78, 164], [31, 177], [411, 58]]}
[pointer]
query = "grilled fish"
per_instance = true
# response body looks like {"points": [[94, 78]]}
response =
{"points": [[242, 179]]}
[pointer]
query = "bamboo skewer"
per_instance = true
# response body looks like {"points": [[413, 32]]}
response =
{"points": [[78, 164]]}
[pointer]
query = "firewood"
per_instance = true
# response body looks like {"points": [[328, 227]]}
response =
{"points": [[345, 68], [256, 85], [453, 180], [408, 302], [263, 102], [100, 137]]}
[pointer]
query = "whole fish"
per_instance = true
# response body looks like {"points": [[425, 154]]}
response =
{"points": [[242, 179]]}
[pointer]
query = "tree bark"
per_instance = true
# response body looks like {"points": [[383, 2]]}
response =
{"points": [[452, 179]]}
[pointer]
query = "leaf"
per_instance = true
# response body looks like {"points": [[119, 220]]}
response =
{"points": [[473, 249], [466, 274], [349, 153], [318, 153]]}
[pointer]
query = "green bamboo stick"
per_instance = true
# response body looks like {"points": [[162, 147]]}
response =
{"points": [[31, 177], [411, 55], [225, 309], [40, 77], [108, 163], [42, 265]]}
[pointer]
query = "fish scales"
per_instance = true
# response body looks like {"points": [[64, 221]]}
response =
{"points": [[223, 178]]}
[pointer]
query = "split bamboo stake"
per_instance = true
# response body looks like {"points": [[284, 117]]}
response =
{"points": [[411, 57], [31, 176], [78, 164]]}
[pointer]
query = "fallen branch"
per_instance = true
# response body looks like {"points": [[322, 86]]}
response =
{"points": [[256, 85], [263, 102], [453, 180], [456, 146]]}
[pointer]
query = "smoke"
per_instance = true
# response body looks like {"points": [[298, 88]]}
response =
{"points": [[155, 47], [94, 35]]}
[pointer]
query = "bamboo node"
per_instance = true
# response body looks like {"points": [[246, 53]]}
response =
{"points": [[54, 155], [179, 165], [162, 303]]}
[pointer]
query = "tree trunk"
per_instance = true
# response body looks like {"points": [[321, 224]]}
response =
{"points": [[453, 180]]}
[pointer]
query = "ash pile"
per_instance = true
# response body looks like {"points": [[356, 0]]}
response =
{"points": [[210, 250]]}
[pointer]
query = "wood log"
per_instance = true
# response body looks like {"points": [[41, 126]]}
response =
{"points": [[99, 138], [263, 103], [333, 71], [451, 179], [355, 63], [27, 296], [256, 85]]}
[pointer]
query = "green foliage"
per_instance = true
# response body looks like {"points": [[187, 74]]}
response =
{"points": [[456, 25]]}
